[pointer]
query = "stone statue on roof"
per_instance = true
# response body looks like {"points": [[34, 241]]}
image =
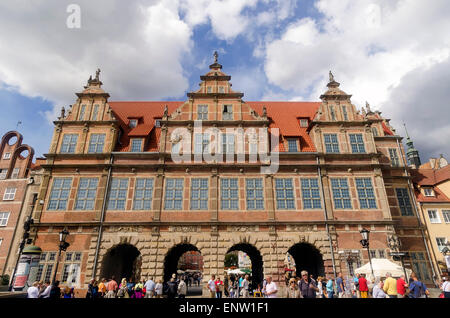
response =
{"points": [[264, 113], [368, 107], [216, 57], [166, 111], [331, 77], [97, 74]]}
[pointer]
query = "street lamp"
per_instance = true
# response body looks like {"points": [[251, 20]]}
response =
{"points": [[365, 244], [395, 245], [63, 245]]}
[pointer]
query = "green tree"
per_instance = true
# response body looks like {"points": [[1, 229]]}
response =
{"points": [[231, 260]]}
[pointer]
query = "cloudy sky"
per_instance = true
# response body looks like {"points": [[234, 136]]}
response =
{"points": [[395, 54]]}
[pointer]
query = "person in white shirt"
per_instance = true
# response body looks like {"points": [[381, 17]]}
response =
{"points": [[271, 288], [46, 292], [212, 286], [33, 291]]}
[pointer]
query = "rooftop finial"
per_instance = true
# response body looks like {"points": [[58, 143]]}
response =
{"points": [[368, 107], [331, 77], [216, 57], [97, 74], [406, 130]]}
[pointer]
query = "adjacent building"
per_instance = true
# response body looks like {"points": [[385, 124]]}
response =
{"points": [[138, 184]]}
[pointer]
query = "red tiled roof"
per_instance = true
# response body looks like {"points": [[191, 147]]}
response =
{"points": [[386, 130], [430, 177], [284, 115], [439, 196]]}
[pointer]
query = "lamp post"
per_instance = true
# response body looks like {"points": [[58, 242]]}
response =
{"points": [[365, 244], [63, 245], [395, 245]]}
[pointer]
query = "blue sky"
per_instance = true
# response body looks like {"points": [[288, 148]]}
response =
{"points": [[273, 49]]}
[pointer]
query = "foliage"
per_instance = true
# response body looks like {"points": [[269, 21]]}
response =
{"points": [[4, 279], [231, 260]]}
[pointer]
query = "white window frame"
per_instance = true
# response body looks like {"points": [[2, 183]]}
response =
{"points": [[446, 215], [444, 243], [290, 141], [4, 218], [3, 174], [304, 122], [133, 123], [15, 173], [9, 195], [140, 140], [7, 155], [428, 192], [436, 218]]}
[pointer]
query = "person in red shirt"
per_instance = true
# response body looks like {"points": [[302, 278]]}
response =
{"points": [[401, 286], [363, 288]]}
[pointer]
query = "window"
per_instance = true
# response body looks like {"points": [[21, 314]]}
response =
{"points": [[375, 131], [95, 113], [433, 215], [45, 267], [311, 194], [357, 143], [420, 265], [3, 173], [9, 194], [344, 112], [428, 192], [292, 145], [341, 194], [377, 254], [446, 214], [441, 243], [255, 198], [7, 155], [136, 145], [228, 143], [69, 143], [201, 142], [15, 173], [143, 194], [86, 194], [133, 123], [118, 194], [365, 193], [59, 194], [199, 194], [4, 216], [71, 269], [1, 241], [221, 89], [331, 143], [404, 202], [285, 194], [96, 143], [202, 112], [230, 195], [227, 112], [158, 123], [82, 111], [303, 123], [394, 157], [209, 89], [332, 113], [174, 194]]}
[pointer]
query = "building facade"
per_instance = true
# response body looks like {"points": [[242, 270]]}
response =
{"points": [[15, 164], [138, 184], [432, 189]]}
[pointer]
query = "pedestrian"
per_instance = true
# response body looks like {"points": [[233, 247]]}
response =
{"points": [[292, 290], [138, 290], [417, 289], [90, 292], [307, 286], [55, 291], [271, 288], [150, 288], [159, 289], [356, 285], [378, 290], [123, 289], [401, 287], [234, 289], [172, 288], [67, 292], [102, 288], [211, 286], [111, 288], [219, 287], [226, 283], [330, 287], [33, 291], [320, 286], [390, 286], [446, 287], [245, 287], [182, 288], [46, 293], [363, 287], [340, 285]]}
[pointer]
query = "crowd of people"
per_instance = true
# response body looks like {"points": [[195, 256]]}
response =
{"points": [[241, 286]]}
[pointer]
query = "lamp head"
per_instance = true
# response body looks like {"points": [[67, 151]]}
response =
{"points": [[63, 235], [365, 234]]}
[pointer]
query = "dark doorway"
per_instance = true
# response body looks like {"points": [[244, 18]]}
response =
{"points": [[257, 275], [122, 261], [308, 258], [172, 259]]}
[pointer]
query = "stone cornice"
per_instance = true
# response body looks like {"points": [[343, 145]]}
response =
{"points": [[219, 123], [216, 95], [86, 122]]}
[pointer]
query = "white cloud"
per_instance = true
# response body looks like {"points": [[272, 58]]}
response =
{"points": [[138, 46]]}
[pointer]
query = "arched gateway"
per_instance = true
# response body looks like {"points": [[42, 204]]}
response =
{"points": [[255, 258], [122, 261], [307, 257], [173, 256]]}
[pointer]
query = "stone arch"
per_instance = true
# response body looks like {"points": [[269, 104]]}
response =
{"points": [[181, 246], [122, 260], [307, 257], [248, 245]]}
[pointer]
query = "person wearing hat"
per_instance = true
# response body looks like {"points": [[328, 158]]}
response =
{"points": [[292, 290]]}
